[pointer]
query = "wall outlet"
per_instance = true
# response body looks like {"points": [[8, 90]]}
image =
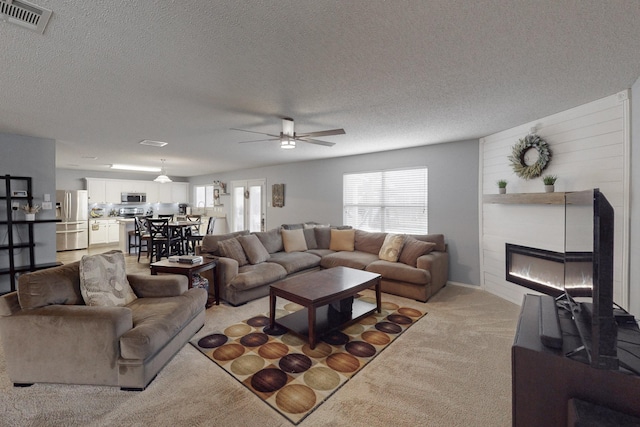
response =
{"points": [[15, 205], [47, 205]]}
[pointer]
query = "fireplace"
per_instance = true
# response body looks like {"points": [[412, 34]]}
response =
{"points": [[549, 272]]}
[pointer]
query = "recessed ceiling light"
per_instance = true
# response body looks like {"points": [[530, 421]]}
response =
{"points": [[153, 143], [135, 168]]}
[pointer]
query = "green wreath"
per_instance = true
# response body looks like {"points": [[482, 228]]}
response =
{"points": [[520, 149]]}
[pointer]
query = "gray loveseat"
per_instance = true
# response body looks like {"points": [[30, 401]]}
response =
{"points": [[49, 335], [247, 276]]}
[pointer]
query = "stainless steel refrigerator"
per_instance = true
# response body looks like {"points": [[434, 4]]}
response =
{"points": [[72, 210]]}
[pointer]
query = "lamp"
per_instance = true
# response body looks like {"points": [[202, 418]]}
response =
{"points": [[287, 142], [163, 178]]}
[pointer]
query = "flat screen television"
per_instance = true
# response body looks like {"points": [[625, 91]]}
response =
{"points": [[589, 232]]}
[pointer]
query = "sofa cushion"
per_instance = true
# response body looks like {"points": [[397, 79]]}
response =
{"points": [[252, 276], [414, 249], [390, 250], [400, 272], [342, 240], [320, 252], [253, 248], [103, 280], [323, 237], [231, 248], [295, 261], [438, 239], [310, 238], [210, 241], [271, 240], [366, 241], [157, 320], [354, 259], [57, 285], [293, 240]]}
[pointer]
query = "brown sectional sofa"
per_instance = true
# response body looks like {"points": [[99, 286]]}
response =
{"points": [[49, 335], [241, 282]]}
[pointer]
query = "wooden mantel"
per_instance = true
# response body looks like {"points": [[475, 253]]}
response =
{"points": [[525, 198]]}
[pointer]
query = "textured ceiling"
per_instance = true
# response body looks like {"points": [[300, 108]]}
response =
{"points": [[393, 74]]}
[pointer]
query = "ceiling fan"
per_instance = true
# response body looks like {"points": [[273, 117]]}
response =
{"points": [[288, 137]]}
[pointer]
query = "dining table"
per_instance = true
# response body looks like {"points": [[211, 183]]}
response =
{"points": [[179, 228]]}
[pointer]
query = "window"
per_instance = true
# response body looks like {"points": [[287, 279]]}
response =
{"points": [[203, 196], [393, 201]]}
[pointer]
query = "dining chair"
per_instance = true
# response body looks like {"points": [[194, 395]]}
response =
{"points": [[192, 234], [212, 221], [167, 216], [164, 243], [142, 236]]}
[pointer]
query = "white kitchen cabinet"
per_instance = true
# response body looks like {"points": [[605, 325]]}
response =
{"points": [[164, 193], [113, 231], [96, 189], [113, 191], [152, 190], [179, 192], [97, 232]]}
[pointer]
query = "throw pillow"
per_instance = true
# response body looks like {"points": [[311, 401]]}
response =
{"points": [[253, 248], [103, 280], [310, 238], [231, 248], [342, 240], [271, 240], [210, 241], [414, 249], [390, 250], [323, 237], [293, 240]]}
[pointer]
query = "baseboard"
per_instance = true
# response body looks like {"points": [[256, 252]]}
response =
{"points": [[465, 285]]}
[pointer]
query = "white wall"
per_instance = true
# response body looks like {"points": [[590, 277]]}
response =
{"points": [[590, 146], [313, 192], [634, 244]]}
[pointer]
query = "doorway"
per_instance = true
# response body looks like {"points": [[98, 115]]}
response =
{"points": [[248, 205]]}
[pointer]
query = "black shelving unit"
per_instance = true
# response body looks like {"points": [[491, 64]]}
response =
{"points": [[9, 223]]}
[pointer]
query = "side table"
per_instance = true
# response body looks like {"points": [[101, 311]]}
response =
{"points": [[189, 270]]}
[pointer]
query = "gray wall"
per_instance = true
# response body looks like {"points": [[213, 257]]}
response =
{"points": [[35, 158], [634, 240], [313, 192]]}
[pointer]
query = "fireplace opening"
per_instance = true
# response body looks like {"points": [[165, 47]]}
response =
{"points": [[549, 272]]}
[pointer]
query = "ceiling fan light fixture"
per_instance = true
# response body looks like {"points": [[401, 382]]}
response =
{"points": [[163, 178], [287, 143]]}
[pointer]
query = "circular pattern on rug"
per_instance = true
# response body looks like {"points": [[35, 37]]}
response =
{"points": [[212, 341], [247, 365], [273, 350], [376, 338], [292, 306], [254, 339], [343, 362], [336, 338], [258, 321], [322, 350], [292, 340], [228, 352], [399, 319], [295, 363], [369, 320], [411, 312], [268, 380], [322, 378], [237, 330], [296, 398], [355, 329], [388, 327], [277, 330], [360, 349], [390, 306]]}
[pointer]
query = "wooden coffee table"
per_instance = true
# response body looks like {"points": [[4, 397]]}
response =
{"points": [[166, 266], [316, 292]]}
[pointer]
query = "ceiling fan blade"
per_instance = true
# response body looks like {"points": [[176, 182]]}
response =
{"points": [[317, 142], [259, 140], [259, 133], [323, 133]]}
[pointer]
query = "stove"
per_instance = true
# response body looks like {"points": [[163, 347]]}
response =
{"points": [[130, 212]]}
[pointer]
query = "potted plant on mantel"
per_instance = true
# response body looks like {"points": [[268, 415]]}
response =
{"points": [[30, 212], [502, 186], [549, 183]]}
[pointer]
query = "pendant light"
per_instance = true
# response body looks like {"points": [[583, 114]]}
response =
{"points": [[163, 178]]}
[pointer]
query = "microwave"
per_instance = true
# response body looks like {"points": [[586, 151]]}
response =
{"points": [[133, 198]]}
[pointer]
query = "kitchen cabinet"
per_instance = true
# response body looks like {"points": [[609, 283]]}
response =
{"points": [[180, 192], [96, 190], [110, 190], [113, 191], [97, 232], [113, 231], [152, 190], [164, 193]]}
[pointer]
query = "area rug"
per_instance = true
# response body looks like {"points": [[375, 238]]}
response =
{"points": [[281, 368]]}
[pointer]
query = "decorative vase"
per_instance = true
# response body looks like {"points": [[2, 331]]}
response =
{"points": [[29, 217], [502, 190], [549, 188]]}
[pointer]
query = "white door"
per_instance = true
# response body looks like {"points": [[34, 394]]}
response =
{"points": [[248, 202]]}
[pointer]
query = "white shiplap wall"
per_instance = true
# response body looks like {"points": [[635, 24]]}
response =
{"points": [[590, 146]]}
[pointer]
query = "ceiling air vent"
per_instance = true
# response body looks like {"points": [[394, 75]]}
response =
{"points": [[153, 143], [25, 14]]}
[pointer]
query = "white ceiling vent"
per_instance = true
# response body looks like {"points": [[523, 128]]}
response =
{"points": [[25, 14], [153, 143]]}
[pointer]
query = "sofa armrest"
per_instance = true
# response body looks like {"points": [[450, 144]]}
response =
{"points": [[64, 343], [166, 285], [226, 270], [437, 263], [9, 304]]}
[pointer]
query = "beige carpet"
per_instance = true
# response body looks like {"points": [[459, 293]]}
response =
{"points": [[451, 368]]}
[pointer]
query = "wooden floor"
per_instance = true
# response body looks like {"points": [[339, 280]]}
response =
{"points": [[133, 266]]}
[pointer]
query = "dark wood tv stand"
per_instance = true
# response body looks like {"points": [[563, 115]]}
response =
{"points": [[544, 380]]}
